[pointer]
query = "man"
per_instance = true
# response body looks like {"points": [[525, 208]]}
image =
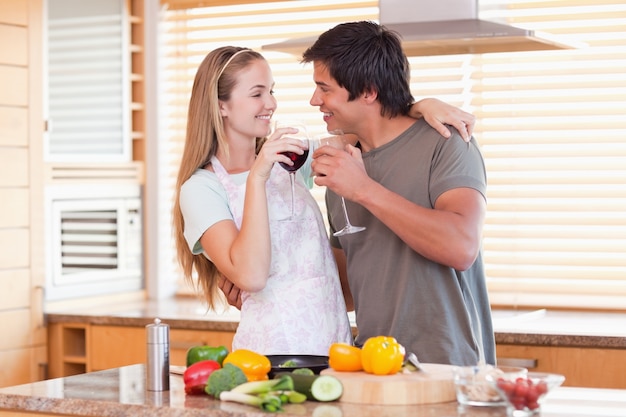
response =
{"points": [[416, 272]]}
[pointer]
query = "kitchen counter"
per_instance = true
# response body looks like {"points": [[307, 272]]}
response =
{"points": [[523, 327], [121, 392]]}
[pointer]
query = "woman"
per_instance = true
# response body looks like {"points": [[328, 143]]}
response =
{"points": [[232, 198]]}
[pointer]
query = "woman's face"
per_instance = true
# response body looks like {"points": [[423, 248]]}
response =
{"points": [[248, 112]]}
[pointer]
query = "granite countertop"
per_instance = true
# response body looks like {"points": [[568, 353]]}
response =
{"points": [[527, 327], [121, 392]]}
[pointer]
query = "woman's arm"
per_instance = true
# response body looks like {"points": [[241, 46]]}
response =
{"points": [[244, 255], [436, 113]]}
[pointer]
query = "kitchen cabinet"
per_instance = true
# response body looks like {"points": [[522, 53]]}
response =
{"points": [[114, 346], [67, 349], [84, 347], [582, 367], [76, 348]]}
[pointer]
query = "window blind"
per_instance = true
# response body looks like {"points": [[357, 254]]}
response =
{"points": [[551, 126], [86, 66], [552, 132]]}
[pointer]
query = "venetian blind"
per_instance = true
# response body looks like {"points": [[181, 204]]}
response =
{"points": [[86, 78], [552, 131], [551, 126]]}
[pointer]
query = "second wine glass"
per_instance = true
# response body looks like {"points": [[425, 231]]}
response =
{"points": [[297, 159], [336, 139]]}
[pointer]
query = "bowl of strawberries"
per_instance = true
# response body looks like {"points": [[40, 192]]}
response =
{"points": [[525, 393]]}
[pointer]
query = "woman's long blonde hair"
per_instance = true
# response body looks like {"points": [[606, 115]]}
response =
{"points": [[215, 79]]}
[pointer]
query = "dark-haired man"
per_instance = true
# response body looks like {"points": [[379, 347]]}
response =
{"points": [[416, 272]]}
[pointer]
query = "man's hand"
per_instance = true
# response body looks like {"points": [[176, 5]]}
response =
{"points": [[231, 292]]}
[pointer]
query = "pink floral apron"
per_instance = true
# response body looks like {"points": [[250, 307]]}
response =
{"points": [[301, 310]]}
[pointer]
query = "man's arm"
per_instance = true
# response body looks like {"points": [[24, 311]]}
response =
{"points": [[449, 234], [230, 291]]}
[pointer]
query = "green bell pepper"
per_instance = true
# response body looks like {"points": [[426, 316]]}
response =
{"points": [[201, 353]]}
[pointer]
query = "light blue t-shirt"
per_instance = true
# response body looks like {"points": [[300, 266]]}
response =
{"points": [[204, 202]]}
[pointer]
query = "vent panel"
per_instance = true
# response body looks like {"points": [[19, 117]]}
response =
{"points": [[94, 239]]}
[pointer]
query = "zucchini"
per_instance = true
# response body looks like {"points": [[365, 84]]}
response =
{"points": [[316, 387]]}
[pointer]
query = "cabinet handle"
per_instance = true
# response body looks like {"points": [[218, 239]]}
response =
{"points": [[518, 362]]}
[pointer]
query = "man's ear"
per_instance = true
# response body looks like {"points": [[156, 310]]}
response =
{"points": [[370, 96]]}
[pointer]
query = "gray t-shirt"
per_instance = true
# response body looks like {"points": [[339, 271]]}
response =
{"points": [[435, 311]]}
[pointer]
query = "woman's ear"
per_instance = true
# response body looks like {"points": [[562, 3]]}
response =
{"points": [[223, 109]]}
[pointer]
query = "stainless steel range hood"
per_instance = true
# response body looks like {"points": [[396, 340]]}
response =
{"points": [[445, 27]]}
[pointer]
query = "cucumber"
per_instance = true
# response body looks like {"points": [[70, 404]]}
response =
{"points": [[321, 388], [326, 388]]}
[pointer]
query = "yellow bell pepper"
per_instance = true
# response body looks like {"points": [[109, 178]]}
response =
{"points": [[382, 355], [254, 365]]}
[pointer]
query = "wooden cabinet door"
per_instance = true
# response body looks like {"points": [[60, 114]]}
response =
{"points": [[115, 346], [582, 367], [181, 340]]}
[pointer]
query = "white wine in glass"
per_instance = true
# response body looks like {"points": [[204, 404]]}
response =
{"points": [[336, 139]]}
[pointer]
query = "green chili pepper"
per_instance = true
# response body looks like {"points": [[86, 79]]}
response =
{"points": [[201, 353]]}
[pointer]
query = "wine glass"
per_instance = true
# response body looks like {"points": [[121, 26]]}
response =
{"points": [[297, 159], [336, 139]]}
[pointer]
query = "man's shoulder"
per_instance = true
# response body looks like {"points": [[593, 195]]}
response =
{"points": [[420, 133]]}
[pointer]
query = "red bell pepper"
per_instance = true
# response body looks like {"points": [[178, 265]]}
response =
{"points": [[197, 374]]}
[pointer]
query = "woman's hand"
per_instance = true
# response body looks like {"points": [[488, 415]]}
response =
{"points": [[273, 149], [436, 113]]}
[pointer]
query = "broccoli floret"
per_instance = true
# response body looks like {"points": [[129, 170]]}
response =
{"points": [[224, 379]]}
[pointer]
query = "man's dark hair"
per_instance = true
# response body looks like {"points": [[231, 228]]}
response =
{"points": [[365, 56]]}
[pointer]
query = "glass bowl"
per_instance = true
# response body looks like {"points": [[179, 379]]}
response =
{"points": [[524, 394], [472, 388]]}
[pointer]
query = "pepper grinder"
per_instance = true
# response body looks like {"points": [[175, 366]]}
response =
{"points": [[158, 366]]}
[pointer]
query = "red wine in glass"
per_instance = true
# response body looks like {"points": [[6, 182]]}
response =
{"points": [[298, 160]]}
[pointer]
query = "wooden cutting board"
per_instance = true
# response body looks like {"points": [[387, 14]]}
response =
{"points": [[433, 385]]}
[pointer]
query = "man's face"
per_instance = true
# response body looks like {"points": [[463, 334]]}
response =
{"points": [[332, 100]]}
